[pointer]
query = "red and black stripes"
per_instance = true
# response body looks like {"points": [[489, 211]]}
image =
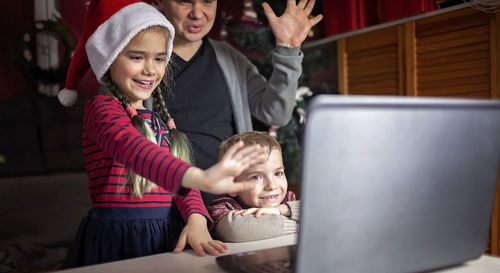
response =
{"points": [[111, 144]]}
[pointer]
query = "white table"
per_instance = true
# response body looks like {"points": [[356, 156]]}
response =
{"points": [[188, 261]]}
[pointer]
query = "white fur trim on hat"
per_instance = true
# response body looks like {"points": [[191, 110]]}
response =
{"points": [[112, 36], [67, 97]]}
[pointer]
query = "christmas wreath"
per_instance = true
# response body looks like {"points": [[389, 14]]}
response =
{"points": [[60, 31]]}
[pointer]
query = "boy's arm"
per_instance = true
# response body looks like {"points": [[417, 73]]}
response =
{"points": [[239, 228], [294, 207]]}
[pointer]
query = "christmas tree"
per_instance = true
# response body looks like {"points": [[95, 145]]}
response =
{"points": [[252, 35]]}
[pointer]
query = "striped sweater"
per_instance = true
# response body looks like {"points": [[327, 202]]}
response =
{"points": [[111, 144]]}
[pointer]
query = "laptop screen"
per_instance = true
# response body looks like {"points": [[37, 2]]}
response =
{"points": [[396, 184], [391, 184]]}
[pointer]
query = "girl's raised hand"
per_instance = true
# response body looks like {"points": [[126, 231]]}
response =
{"points": [[219, 178]]}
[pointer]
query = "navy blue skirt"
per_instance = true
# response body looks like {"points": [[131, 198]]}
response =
{"points": [[112, 234]]}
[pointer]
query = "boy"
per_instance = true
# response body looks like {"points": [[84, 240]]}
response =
{"points": [[267, 211]]}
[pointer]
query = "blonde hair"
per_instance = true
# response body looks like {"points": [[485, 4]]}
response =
{"points": [[179, 143], [251, 138]]}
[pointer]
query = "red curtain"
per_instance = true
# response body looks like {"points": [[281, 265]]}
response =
{"points": [[346, 15], [391, 9]]}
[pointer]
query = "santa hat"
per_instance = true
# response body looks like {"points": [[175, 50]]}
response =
{"points": [[108, 27]]}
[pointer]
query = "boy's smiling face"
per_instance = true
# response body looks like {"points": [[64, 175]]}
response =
{"points": [[270, 180]]}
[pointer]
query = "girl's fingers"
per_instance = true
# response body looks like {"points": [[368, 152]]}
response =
{"points": [[219, 246], [181, 243], [208, 248], [240, 186], [233, 149]]}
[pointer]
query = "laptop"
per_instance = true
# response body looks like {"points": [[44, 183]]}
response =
{"points": [[390, 184]]}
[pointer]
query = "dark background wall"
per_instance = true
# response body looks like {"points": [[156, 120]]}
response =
{"points": [[37, 134]]}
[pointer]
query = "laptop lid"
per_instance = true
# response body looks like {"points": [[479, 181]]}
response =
{"points": [[396, 184]]}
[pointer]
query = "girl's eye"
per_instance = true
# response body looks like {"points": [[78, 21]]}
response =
{"points": [[279, 173], [137, 58], [160, 59]]}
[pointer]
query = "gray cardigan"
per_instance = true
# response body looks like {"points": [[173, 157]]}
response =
{"points": [[270, 101]]}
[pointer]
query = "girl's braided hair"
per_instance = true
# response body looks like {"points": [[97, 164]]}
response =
{"points": [[179, 143]]}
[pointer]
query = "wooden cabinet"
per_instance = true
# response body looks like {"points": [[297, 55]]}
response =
{"points": [[452, 53]]}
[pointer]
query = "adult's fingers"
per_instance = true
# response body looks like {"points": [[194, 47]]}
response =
{"points": [[301, 4], [268, 11], [316, 19], [309, 7]]}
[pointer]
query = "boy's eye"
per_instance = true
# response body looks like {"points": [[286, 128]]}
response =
{"points": [[160, 59], [279, 173], [256, 177]]}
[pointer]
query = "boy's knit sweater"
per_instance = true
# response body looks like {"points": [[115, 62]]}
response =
{"points": [[238, 228]]}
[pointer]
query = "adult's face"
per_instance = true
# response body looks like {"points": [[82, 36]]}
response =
{"points": [[192, 19]]}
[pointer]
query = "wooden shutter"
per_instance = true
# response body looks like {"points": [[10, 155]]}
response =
{"points": [[453, 55], [370, 63]]}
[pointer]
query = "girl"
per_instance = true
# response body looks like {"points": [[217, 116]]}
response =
{"points": [[134, 180]]}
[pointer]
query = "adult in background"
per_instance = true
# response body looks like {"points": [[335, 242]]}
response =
{"points": [[217, 89]]}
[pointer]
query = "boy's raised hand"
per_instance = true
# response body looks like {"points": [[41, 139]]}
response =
{"points": [[219, 178]]}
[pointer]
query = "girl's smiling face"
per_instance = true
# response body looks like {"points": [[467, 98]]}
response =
{"points": [[140, 67], [270, 180]]}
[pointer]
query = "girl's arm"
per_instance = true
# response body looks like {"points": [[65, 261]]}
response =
{"points": [[189, 201], [109, 126], [196, 234]]}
